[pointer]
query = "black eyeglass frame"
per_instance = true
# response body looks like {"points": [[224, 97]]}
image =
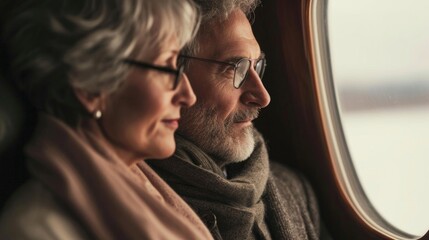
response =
{"points": [[143, 65], [235, 65]]}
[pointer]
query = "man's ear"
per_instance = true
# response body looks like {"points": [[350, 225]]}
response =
{"points": [[92, 102]]}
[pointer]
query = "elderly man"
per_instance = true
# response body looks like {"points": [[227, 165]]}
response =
{"points": [[221, 166]]}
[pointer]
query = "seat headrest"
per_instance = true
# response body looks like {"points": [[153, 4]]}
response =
{"points": [[17, 122], [12, 116]]}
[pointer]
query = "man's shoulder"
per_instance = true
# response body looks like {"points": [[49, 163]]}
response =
{"points": [[34, 213], [293, 188], [286, 175], [291, 182]]}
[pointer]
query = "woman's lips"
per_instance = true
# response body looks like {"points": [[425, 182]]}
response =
{"points": [[171, 123]]}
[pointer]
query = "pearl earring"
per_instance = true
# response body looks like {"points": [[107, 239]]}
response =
{"points": [[97, 114]]}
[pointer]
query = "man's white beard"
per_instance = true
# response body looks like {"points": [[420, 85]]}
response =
{"points": [[200, 125]]}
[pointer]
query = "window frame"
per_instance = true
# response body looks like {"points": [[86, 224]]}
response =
{"points": [[339, 155]]}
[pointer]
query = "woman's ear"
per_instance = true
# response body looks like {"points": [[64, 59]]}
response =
{"points": [[92, 102]]}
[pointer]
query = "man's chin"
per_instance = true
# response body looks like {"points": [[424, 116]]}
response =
{"points": [[230, 142], [238, 148]]}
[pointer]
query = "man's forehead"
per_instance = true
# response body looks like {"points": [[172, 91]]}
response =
{"points": [[233, 37], [236, 49]]}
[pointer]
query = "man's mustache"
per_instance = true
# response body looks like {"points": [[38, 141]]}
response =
{"points": [[246, 115]]}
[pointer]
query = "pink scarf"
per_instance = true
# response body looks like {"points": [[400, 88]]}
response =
{"points": [[109, 199]]}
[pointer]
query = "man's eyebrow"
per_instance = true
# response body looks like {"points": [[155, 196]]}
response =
{"points": [[233, 59]]}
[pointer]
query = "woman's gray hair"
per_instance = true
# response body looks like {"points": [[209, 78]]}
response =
{"points": [[217, 11], [56, 45]]}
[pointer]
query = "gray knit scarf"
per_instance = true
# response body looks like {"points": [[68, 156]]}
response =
{"points": [[233, 207]]}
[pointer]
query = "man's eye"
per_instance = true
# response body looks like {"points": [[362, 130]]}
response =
{"points": [[226, 70]]}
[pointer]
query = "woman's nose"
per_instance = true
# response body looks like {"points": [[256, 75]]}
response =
{"points": [[185, 95]]}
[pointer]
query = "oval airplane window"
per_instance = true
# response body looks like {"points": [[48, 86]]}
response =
{"points": [[379, 56]]}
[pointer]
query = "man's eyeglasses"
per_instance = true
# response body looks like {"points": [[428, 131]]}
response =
{"points": [[176, 72], [241, 67]]}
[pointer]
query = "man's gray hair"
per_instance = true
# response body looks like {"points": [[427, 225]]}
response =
{"points": [[217, 11], [220, 9], [55, 45]]}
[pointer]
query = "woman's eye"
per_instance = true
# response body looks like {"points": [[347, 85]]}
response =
{"points": [[172, 66]]}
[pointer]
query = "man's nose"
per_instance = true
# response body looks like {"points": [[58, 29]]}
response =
{"points": [[254, 92]]}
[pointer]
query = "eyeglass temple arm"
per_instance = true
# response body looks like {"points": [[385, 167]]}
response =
{"points": [[207, 60], [146, 65]]}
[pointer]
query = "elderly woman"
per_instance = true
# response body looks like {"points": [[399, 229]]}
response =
{"points": [[103, 75]]}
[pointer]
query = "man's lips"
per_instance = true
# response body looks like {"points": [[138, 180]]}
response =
{"points": [[244, 122], [245, 117]]}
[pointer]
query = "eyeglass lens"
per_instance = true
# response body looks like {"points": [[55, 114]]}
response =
{"points": [[179, 76], [243, 68]]}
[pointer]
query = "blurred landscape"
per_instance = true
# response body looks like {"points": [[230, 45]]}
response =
{"points": [[388, 94], [387, 132]]}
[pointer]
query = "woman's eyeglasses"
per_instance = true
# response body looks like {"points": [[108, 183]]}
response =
{"points": [[241, 67], [176, 72]]}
